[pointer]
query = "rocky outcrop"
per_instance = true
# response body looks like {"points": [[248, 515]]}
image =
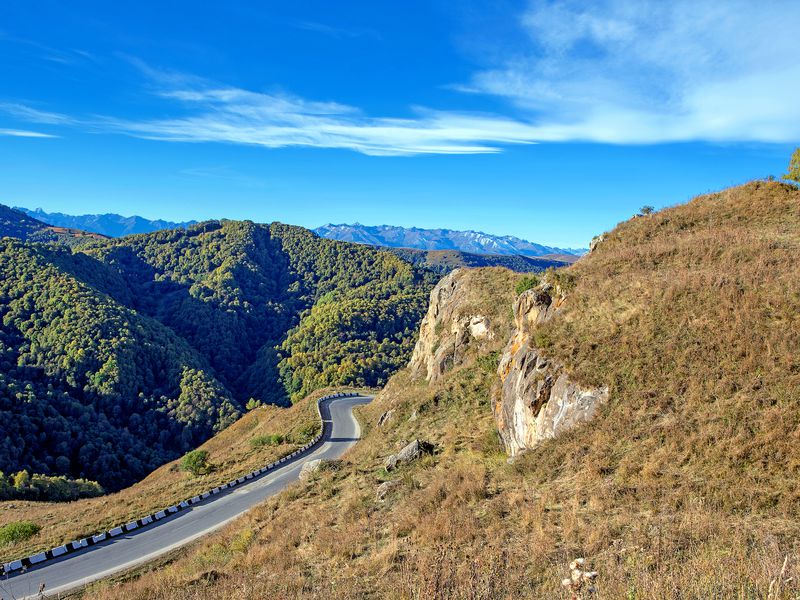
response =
{"points": [[408, 454], [448, 330], [535, 398], [385, 489], [596, 241], [386, 418]]}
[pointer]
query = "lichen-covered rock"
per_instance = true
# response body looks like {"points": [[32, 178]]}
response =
{"points": [[386, 488], [409, 453], [448, 329], [386, 418], [536, 399]]}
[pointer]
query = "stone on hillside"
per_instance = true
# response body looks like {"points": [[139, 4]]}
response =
{"points": [[386, 418], [410, 453], [310, 467], [386, 488], [596, 241]]}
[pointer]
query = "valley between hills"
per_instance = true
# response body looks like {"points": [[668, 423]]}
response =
{"points": [[638, 408]]}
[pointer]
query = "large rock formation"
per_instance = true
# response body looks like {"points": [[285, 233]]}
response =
{"points": [[535, 398], [448, 329]]}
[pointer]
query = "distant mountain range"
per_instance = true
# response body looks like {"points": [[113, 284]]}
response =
{"points": [[111, 225], [472, 242], [475, 242]]}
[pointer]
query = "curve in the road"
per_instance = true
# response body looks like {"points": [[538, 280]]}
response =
{"points": [[340, 431]]}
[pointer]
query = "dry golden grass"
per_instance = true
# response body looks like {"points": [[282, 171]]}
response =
{"points": [[685, 486], [231, 454]]}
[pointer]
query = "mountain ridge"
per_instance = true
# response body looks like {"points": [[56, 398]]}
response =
{"points": [[476, 242], [108, 224]]}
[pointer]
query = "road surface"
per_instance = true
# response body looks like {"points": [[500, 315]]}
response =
{"points": [[140, 546]]}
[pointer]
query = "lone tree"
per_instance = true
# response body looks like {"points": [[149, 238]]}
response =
{"points": [[647, 210], [196, 462], [793, 174]]}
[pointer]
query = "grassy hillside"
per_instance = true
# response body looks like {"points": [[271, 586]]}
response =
{"points": [[241, 448], [684, 486]]}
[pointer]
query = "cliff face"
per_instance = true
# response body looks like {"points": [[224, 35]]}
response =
{"points": [[535, 399], [452, 327]]}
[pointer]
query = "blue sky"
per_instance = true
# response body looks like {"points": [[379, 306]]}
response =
{"points": [[551, 121]]}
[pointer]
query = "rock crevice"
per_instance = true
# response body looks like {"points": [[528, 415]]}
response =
{"points": [[535, 398]]}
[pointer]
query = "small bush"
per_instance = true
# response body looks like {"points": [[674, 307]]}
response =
{"points": [[793, 172], [18, 531], [253, 404], [260, 441], [196, 462], [526, 283]]}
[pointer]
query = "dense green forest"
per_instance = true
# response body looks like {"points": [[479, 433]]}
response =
{"points": [[118, 355]]}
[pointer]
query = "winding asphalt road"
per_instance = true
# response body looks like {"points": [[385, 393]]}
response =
{"points": [[341, 431]]}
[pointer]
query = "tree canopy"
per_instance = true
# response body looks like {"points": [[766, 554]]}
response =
{"points": [[117, 355]]}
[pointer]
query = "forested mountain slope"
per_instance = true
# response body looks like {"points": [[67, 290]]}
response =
{"points": [[122, 354], [682, 485], [88, 386]]}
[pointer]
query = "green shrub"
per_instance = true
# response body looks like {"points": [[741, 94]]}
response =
{"points": [[196, 462], [253, 404], [24, 486], [793, 172], [18, 531], [260, 441], [527, 283]]}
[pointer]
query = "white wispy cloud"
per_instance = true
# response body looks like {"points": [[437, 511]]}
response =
{"points": [[233, 115], [650, 71], [29, 114], [609, 71], [24, 133]]}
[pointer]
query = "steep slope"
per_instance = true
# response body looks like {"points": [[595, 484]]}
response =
{"points": [[88, 387], [108, 224], [475, 242], [235, 289], [122, 354], [683, 484], [258, 438]]}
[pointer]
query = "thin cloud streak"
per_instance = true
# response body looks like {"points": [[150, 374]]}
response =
{"points": [[23, 133]]}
